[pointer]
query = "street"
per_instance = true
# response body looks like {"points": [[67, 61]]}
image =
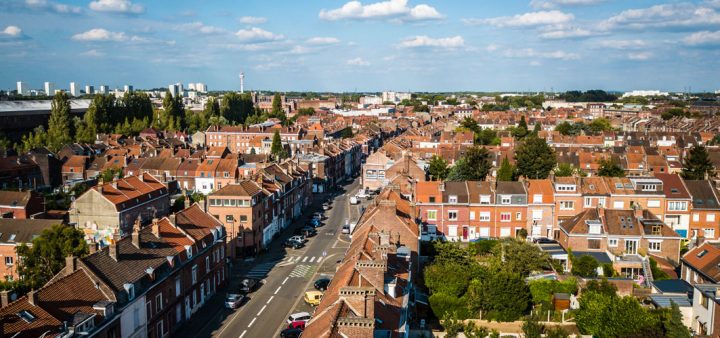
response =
{"points": [[286, 273]]}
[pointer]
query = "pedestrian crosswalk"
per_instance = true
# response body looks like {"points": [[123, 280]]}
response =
{"points": [[260, 271], [302, 271], [290, 260]]}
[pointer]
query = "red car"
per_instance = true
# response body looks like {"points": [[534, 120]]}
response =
{"points": [[298, 324]]}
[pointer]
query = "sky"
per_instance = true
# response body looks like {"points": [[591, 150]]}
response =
{"points": [[368, 45]]}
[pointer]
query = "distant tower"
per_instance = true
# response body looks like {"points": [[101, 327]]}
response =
{"points": [[242, 83]]}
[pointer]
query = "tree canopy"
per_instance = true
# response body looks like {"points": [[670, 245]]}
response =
{"points": [[535, 158], [610, 168], [473, 166], [506, 172], [697, 164], [59, 128], [438, 168], [46, 256]]}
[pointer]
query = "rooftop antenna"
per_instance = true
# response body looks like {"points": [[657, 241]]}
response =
{"points": [[242, 82]]}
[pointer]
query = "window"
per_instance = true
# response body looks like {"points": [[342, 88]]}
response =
{"points": [[709, 233], [518, 216], [484, 199], [243, 218], [452, 215], [452, 199], [677, 206], [177, 287], [653, 203], [612, 242], [432, 199], [537, 198], [567, 205], [566, 187], [207, 264], [710, 218], [504, 232], [484, 216], [472, 215], [194, 274], [505, 217], [703, 301], [537, 215], [696, 217], [593, 243], [159, 329], [654, 246], [432, 215], [136, 317], [588, 202], [158, 302], [504, 199], [618, 205], [9, 261]]}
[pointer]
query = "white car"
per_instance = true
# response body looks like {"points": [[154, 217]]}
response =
{"points": [[298, 316], [298, 238], [233, 301], [354, 200], [361, 194]]}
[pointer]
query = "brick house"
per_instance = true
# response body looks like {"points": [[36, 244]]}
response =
{"points": [[700, 264], [21, 204], [541, 208], [705, 210], [241, 208], [14, 232]]}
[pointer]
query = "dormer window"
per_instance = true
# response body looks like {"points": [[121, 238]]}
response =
{"points": [[484, 199], [566, 187], [452, 199], [130, 289], [505, 199], [188, 250]]}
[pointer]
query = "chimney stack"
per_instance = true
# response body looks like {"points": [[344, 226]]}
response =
{"points": [[113, 249], [4, 298], [70, 264], [136, 234], [93, 247], [156, 227], [32, 297]]}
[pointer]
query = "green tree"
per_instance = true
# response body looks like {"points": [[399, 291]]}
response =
{"points": [[564, 170], [534, 158], [532, 328], [522, 129], [46, 256], [520, 257], [657, 273], [59, 128], [542, 290], [565, 128], [277, 108], [236, 108], [438, 168], [502, 296], [487, 137], [610, 168], [555, 332], [585, 266], [212, 107], [347, 132], [697, 164], [673, 324], [470, 124], [602, 286], [37, 138], [473, 166], [277, 149], [599, 125], [537, 128], [109, 175], [506, 172], [611, 316], [171, 117]]}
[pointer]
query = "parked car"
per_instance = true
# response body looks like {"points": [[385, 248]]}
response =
{"points": [[290, 243], [248, 285], [234, 300], [315, 222], [307, 231], [299, 238], [298, 316], [346, 228], [354, 200], [326, 206], [313, 298], [318, 215], [322, 284], [291, 333], [298, 324], [361, 194]]}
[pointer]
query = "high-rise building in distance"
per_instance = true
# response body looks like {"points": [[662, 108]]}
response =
{"points": [[74, 90], [49, 88], [22, 88], [89, 90]]}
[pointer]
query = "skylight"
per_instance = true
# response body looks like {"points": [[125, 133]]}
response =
{"points": [[702, 253], [27, 316]]}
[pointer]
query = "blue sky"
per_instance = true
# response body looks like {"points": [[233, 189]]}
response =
{"points": [[369, 45]]}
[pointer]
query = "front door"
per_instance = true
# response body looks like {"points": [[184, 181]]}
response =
{"points": [[465, 233], [631, 247]]}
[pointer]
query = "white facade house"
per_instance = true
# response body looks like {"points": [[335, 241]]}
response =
{"points": [[705, 304], [133, 319], [645, 93]]}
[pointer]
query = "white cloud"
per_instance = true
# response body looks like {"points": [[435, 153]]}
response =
{"points": [[398, 9], [665, 15], [255, 34], [525, 20], [322, 41], [100, 34], [532, 53], [116, 6], [252, 20], [52, 6], [199, 27], [358, 61], [549, 4], [426, 41], [92, 53], [574, 32], [492, 47], [640, 56], [622, 44], [12, 31], [703, 38]]}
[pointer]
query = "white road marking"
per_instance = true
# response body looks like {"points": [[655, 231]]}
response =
{"points": [[242, 334], [286, 278], [261, 310], [252, 322], [271, 298], [305, 259], [276, 291], [318, 260], [312, 259]]}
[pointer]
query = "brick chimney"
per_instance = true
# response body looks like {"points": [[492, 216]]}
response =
{"points": [[70, 264], [136, 234], [156, 227], [4, 298], [360, 299], [32, 297], [113, 249], [356, 327]]}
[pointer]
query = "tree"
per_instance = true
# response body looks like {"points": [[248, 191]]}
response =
{"points": [[171, 117], [611, 316], [487, 137], [673, 324], [697, 164], [532, 328], [109, 175], [276, 149], [534, 158], [506, 172], [521, 130], [59, 132], [277, 108], [236, 108], [473, 166], [438, 168], [564, 170], [502, 296], [585, 266], [46, 256], [602, 286], [555, 332], [610, 168], [599, 125], [520, 257], [537, 128], [565, 128], [347, 132], [37, 138], [657, 273]]}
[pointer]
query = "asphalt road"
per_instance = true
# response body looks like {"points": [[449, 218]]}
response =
{"points": [[287, 274]]}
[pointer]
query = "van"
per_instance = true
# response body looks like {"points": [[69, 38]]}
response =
{"points": [[354, 200], [313, 298]]}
